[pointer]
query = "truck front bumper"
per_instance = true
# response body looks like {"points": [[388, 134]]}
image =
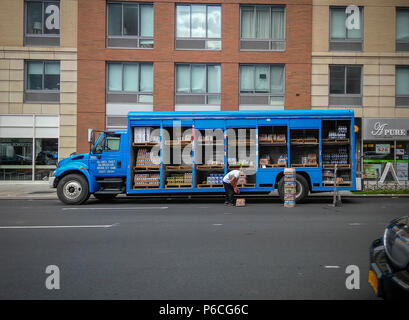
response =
{"points": [[383, 279], [51, 182]]}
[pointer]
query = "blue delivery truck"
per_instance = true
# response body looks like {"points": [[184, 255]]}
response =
{"points": [[169, 153]]}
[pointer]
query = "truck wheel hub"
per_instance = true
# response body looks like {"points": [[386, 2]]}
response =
{"points": [[72, 189], [298, 190]]}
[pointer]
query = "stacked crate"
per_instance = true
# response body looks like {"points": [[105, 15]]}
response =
{"points": [[179, 178], [143, 158], [289, 187], [146, 179], [215, 178], [272, 137]]}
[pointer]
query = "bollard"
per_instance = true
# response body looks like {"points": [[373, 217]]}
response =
{"points": [[289, 187], [337, 196]]}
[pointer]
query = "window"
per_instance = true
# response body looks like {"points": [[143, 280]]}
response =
{"points": [[130, 25], [341, 37], [262, 84], [16, 161], [130, 82], [99, 146], [42, 23], [345, 85], [262, 28], [46, 156], [198, 84], [198, 26], [112, 142], [42, 80], [374, 161], [402, 29], [402, 86], [28, 146]]}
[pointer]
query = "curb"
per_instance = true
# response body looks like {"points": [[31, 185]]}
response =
{"points": [[54, 197], [379, 195]]}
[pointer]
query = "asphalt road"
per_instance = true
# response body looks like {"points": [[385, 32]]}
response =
{"points": [[129, 249]]}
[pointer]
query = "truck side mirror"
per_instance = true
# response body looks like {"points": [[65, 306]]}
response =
{"points": [[91, 135]]}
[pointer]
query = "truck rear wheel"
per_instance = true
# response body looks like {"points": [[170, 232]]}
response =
{"points": [[302, 189], [73, 189]]}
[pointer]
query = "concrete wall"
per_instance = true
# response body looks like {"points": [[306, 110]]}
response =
{"points": [[12, 57], [378, 57]]}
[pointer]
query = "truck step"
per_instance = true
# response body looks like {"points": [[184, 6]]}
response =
{"points": [[110, 181], [109, 191]]}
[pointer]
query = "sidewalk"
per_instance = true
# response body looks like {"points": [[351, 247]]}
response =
{"points": [[40, 191], [26, 190]]}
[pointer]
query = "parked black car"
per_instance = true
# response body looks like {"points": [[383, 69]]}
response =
{"points": [[389, 261]]}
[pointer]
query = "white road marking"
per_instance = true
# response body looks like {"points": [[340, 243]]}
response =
{"points": [[227, 213], [217, 224], [332, 267], [355, 224], [59, 227], [115, 208]]}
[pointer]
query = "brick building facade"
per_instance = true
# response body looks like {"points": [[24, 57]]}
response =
{"points": [[274, 37]]}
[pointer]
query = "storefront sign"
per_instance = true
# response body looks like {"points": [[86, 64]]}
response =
{"points": [[383, 148], [385, 129]]}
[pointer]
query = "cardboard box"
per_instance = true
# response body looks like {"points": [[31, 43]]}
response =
{"points": [[142, 134], [241, 202]]}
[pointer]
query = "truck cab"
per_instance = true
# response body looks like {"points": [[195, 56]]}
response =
{"points": [[101, 172]]}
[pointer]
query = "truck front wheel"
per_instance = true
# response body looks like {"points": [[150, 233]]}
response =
{"points": [[302, 189], [73, 189]]}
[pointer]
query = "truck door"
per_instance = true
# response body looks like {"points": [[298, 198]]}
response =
{"points": [[107, 158]]}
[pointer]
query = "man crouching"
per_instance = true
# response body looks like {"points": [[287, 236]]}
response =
{"points": [[230, 186]]}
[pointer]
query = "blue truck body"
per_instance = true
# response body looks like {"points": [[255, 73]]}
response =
{"points": [[99, 167]]}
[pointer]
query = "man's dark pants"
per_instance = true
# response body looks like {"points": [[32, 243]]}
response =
{"points": [[229, 191]]}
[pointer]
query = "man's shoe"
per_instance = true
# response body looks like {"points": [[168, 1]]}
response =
{"points": [[226, 203]]}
